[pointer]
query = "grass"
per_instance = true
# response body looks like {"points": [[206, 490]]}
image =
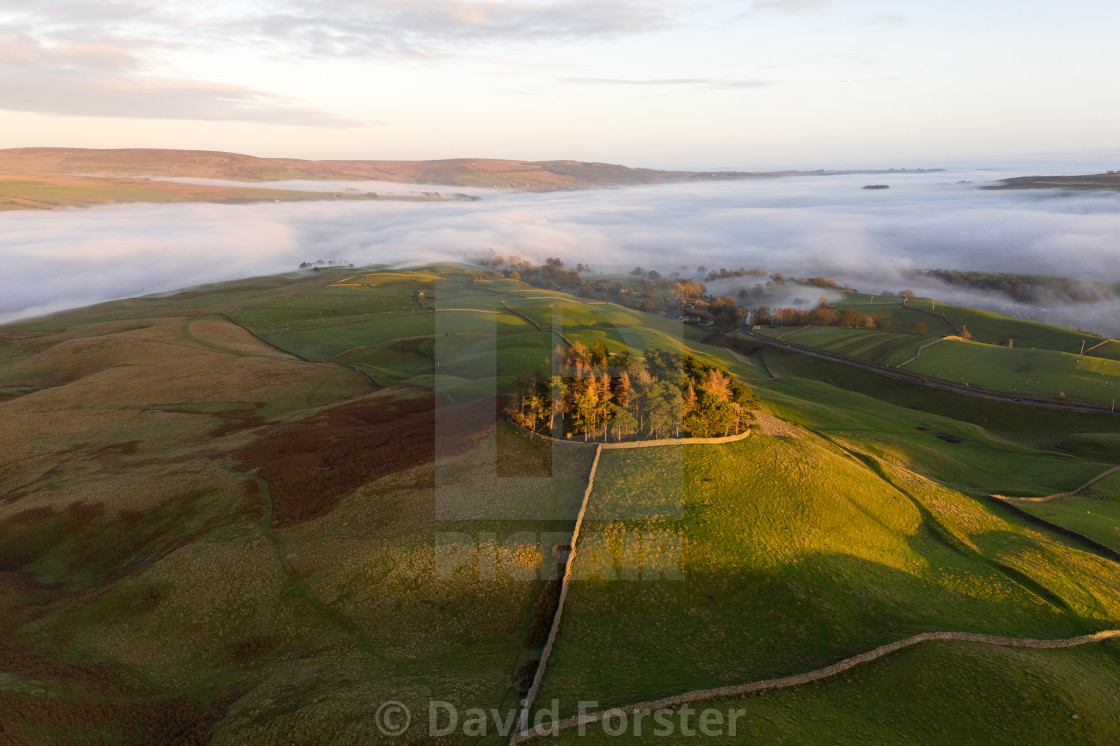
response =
{"points": [[917, 310], [125, 524], [483, 334], [1024, 371], [936, 693], [1088, 515], [797, 554], [984, 462], [885, 348], [303, 626], [993, 328], [49, 192], [1088, 436]]}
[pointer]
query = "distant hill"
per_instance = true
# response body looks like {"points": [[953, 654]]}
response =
{"points": [[477, 172], [1107, 181]]}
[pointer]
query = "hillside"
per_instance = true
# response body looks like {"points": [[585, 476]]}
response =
{"points": [[1087, 182], [216, 165], [253, 511], [469, 172]]}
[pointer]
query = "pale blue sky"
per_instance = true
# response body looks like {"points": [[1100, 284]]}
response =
{"points": [[773, 83]]}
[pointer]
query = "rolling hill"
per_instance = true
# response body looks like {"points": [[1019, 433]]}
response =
{"points": [[253, 511], [218, 165]]}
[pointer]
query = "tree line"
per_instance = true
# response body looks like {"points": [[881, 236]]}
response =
{"points": [[603, 396], [824, 315], [1028, 288], [648, 291]]}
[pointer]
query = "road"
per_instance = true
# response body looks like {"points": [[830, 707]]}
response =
{"points": [[933, 383]]}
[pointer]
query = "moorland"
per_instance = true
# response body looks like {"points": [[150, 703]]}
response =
{"points": [[249, 512]]}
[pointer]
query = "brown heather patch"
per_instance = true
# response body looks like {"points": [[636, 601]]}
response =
{"points": [[250, 648], [255, 507], [31, 720], [33, 665], [310, 462], [237, 419], [116, 449], [85, 538]]}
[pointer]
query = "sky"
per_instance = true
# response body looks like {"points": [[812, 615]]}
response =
{"points": [[800, 226], [659, 83]]}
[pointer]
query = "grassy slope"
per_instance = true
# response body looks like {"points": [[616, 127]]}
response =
{"points": [[375, 321], [1093, 437], [1107, 181], [1032, 366], [797, 555], [116, 406], [43, 192], [1096, 518], [985, 326], [208, 164], [885, 348], [781, 555], [915, 310], [985, 462], [937, 693], [1017, 370]]}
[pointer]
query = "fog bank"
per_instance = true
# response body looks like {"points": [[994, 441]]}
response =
{"points": [[799, 226]]}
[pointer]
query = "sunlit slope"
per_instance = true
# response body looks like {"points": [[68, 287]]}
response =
{"points": [[993, 328], [798, 552], [937, 693], [914, 310], [476, 172], [1024, 371], [441, 327], [981, 461], [1097, 517], [42, 192], [944, 319], [883, 347]]}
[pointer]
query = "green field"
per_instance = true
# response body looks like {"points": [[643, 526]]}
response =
{"points": [[1042, 360], [1022, 371], [914, 310], [945, 320], [885, 348], [798, 553], [484, 334], [985, 326], [1099, 519], [857, 513], [936, 693], [986, 461]]}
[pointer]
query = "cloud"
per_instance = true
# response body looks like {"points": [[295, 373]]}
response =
{"points": [[152, 97], [710, 83], [791, 6], [886, 20], [438, 28], [101, 79], [115, 57], [800, 226]]}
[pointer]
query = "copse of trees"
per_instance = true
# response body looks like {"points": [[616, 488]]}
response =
{"points": [[601, 396]]}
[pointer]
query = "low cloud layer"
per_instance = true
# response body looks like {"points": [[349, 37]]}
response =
{"points": [[799, 226]]}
